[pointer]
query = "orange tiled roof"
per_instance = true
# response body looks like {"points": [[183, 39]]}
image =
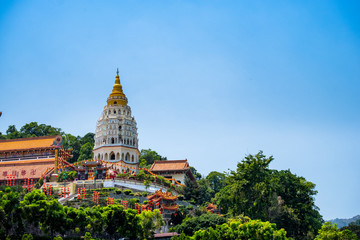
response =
{"points": [[26, 143], [170, 165], [25, 169]]}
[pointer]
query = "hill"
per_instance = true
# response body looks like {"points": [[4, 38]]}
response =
{"points": [[342, 222]]}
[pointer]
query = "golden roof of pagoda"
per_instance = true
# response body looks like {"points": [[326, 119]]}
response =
{"points": [[117, 96]]}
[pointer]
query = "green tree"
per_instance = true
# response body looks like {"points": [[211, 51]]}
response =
{"points": [[12, 132], [217, 181], [150, 221], [73, 142], [355, 228], [86, 152], [329, 231], [34, 208], [88, 236], [191, 191], [27, 237], [277, 196], [196, 174], [33, 129], [88, 138], [150, 156], [236, 229], [10, 213], [121, 223], [54, 220], [2, 136], [202, 222]]}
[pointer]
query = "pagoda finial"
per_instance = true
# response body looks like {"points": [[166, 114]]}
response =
{"points": [[117, 71]]}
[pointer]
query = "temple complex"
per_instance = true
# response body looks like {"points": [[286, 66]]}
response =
{"points": [[27, 157], [116, 138]]}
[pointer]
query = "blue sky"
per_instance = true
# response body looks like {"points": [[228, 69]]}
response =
{"points": [[210, 81]]}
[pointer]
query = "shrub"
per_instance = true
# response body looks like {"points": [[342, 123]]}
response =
{"points": [[167, 183], [128, 191], [122, 175], [160, 179], [189, 207], [27, 237], [118, 191], [131, 202], [180, 197]]}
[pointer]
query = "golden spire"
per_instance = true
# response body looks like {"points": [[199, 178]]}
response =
{"points": [[117, 95]]}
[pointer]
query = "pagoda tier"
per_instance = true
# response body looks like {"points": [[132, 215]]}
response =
{"points": [[165, 201], [163, 195]]}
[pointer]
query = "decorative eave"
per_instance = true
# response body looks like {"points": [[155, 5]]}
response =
{"points": [[28, 149]]}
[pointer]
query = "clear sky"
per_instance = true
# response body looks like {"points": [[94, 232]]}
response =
{"points": [[210, 81]]}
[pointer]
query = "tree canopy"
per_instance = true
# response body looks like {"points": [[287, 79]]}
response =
{"points": [[38, 214], [329, 231], [235, 229], [150, 156]]}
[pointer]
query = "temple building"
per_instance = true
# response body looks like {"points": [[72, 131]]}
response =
{"points": [[116, 137], [173, 169], [27, 157]]}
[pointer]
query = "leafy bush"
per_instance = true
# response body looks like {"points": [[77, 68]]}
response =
{"points": [[189, 207], [128, 191], [235, 229], [180, 197], [27, 237], [167, 183], [160, 179], [122, 175], [67, 176], [141, 175], [131, 202], [197, 223]]}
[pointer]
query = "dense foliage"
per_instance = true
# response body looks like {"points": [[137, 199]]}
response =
{"points": [[234, 229], [280, 197], [329, 231], [353, 227], [38, 215], [148, 157], [256, 191], [191, 225]]}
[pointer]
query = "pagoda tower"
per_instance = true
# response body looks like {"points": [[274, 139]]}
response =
{"points": [[116, 138]]}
